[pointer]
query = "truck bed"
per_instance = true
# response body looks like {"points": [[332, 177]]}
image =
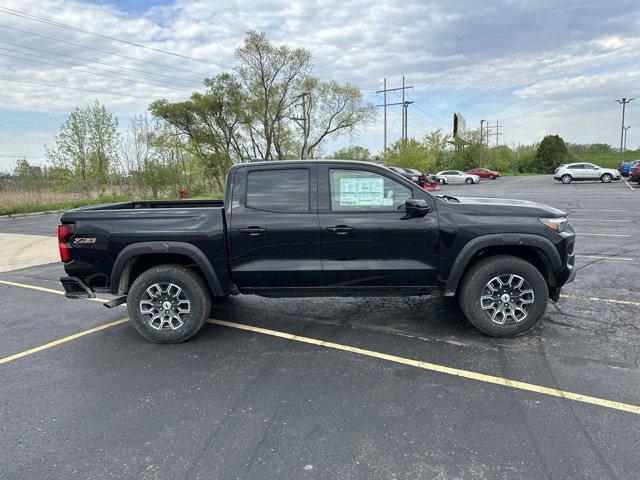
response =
{"points": [[146, 204]]}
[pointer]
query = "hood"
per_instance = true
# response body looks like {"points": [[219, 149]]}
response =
{"points": [[503, 206]]}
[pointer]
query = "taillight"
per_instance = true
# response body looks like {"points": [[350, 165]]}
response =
{"points": [[64, 232], [557, 170]]}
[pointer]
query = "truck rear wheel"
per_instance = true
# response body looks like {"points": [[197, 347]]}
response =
{"points": [[503, 296], [168, 303]]}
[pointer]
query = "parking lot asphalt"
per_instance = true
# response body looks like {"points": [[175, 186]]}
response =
{"points": [[331, 388]]}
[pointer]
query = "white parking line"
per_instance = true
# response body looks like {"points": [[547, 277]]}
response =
{"points": [[602, 234], [628, 184], [611, 210], [604, 257], [571, 219]]}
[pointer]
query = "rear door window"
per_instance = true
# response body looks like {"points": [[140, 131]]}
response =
{"points": [[279, 190]]}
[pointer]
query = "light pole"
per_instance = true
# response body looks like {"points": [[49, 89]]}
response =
{"points": [[625, 137], [623, 102]]}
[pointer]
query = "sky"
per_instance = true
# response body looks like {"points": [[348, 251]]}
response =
{"points": [[537, 67]]}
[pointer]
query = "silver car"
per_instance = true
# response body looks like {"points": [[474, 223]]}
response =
{"points": [[456, 176], [585, 171]]}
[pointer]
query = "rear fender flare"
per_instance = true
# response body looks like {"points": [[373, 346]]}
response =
{"points": [[122, 266], [496, 240]]}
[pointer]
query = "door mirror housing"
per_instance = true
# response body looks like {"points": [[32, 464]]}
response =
{"points": [[416, 207]]}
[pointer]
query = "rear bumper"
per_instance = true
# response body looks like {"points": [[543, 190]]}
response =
{"points": [[74, 287]]}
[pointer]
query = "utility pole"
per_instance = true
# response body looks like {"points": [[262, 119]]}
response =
{"points": [[303, 122], [498, 127], [481, 139], [623, 102], [625, 137], [385, 105]]}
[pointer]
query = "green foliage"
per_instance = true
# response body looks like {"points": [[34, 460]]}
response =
{"points": [[551, 152], [353, 152], [409, 153], [87, 145]]}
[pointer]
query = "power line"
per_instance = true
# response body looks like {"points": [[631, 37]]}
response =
{"points": [[89, 32], [431, 116], [95, 61], [33, 106], [102, 51], [92, 73], [66, 87], [61, 112], [440, 110]]}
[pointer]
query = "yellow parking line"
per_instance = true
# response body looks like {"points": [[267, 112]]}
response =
{"points": [[62, 340], [481, 377], [43, 289], [598, 299], [370, 353], [604, 257]]}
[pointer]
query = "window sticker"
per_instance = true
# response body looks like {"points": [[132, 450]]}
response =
{"points": [[364, 192]]}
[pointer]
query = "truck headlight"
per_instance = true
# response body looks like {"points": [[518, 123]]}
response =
{"points": [[559, 224]]}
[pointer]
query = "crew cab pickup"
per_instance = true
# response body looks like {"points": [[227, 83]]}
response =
{"points": [[318, 228]]}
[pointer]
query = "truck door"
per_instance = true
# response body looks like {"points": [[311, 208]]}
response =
{"points": [[273, 227], [368, 241]]}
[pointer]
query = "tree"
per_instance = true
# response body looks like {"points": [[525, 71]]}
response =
{"points": [[213, 124], [331, 108], [269, 75], [551, 152], [86, 145], [409, 153], [353, 152]]}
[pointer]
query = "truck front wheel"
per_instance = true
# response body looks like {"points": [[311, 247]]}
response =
{"points": [[503, 296], [168, 303]]}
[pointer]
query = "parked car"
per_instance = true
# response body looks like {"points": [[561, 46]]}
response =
{"points": [[634, 173], [585, 171], [413, 177], [484, 173], [456, 176], [317, 228], [430, 182], [625, 167]]}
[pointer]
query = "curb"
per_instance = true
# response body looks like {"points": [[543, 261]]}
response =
{"points": [[30, 214]]}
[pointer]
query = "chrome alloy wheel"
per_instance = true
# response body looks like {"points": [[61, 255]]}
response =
{"points": [[507, 298], [165, 305]]}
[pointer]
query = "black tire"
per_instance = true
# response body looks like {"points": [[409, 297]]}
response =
{"points": [[474, 286], [606, 177], [442, 181], [193, 289], [491, 177], [468, 181], [566, 178]]}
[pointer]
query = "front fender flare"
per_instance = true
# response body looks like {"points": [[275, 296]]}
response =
{"points": [[495, 240], [181, 248]]}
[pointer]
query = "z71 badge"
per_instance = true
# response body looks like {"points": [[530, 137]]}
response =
{"points": [[84, 240]]}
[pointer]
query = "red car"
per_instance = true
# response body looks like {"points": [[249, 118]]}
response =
{"points": [[484, 173], [634, 174]]}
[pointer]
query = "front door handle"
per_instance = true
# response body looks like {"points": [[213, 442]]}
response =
{"points": [[253, 231], [340, 229]]}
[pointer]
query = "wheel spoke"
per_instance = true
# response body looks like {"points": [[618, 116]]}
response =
{"points": [[507, 298], [165, 306]]}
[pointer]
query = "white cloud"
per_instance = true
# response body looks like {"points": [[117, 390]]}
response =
{"points": [[556, 61]]}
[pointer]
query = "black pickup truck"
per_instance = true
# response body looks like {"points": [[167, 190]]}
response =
{"points": [[318, 228]]}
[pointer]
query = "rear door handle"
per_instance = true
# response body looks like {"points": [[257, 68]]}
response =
{"points": [[340, 229], [253, 231]]}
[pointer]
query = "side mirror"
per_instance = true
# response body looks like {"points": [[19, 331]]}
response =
{"points": [[416, 207]]}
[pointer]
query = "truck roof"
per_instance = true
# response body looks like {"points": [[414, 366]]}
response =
{"points": [[294, 162]]}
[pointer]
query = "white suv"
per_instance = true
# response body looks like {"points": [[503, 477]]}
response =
{"points": [[585, 171]]}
